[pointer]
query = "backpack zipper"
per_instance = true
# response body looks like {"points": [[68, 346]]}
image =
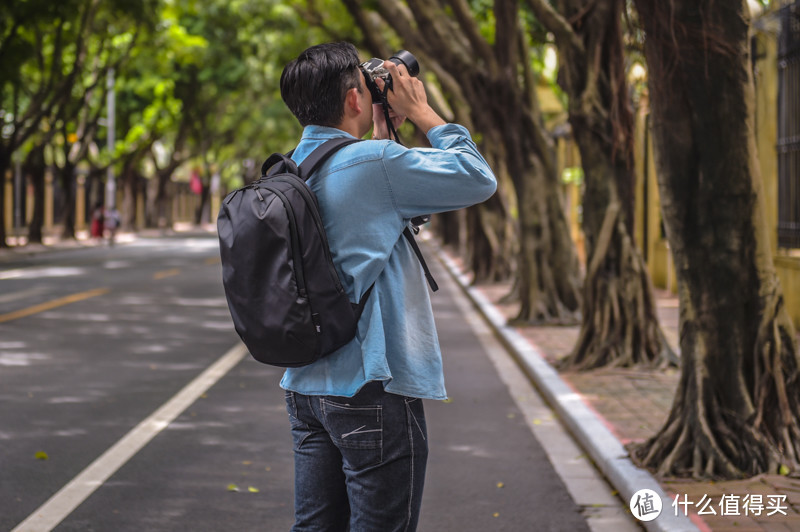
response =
{"points": [[300, 185], [296, 256]]}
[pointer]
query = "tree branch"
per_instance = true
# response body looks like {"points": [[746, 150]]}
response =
{"points": [[467, 22], [556, 23]]}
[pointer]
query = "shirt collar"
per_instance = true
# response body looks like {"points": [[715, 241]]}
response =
{"points": [[323, 132]]}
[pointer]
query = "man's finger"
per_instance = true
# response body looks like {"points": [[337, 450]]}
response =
{"points": [[394, 70]]}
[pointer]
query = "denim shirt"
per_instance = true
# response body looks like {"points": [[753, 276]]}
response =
{"points": [[368, 192]]}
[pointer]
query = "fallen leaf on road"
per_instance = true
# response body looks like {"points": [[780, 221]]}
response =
{"points": [[233, 487], [251, 489], [41, 455]]}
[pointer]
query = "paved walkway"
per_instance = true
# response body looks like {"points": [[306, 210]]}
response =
{"points": [[633, 404], [499, 458]]}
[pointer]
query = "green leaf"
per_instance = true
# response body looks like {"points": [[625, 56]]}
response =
{"points": [[41, 455], [572, 175], [783, 470], [233, 487]]}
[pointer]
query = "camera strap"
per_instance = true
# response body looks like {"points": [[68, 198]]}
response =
{"points": [[419, 220], [389, 125]]}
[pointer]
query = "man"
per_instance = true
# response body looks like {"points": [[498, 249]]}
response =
{"points": [[357, 420]]}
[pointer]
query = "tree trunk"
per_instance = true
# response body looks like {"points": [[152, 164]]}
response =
{"points": [[5, 164], [162, 201], [737, 404], [619, 321], [620, 324], [202, 206], [35, 168], [67, 175], [486, 94], [130, 186]]}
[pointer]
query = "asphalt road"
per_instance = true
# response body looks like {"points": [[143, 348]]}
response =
{"points": [[108, 350]]}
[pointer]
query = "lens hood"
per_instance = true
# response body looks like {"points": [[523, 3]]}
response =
{"points": [[407, 58]]}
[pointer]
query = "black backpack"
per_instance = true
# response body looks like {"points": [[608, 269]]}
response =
{"points": [[285, 298]]}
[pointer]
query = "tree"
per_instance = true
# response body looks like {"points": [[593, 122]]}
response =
{"points": [[111, 38], [736, 408], [619, 321], [481, 61], [53, 55], [42, 51]]}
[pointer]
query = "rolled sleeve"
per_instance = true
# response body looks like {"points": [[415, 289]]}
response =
{"points": [[451, 175]]}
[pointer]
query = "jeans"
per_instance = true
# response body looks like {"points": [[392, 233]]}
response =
{"points": [[359, 461]]}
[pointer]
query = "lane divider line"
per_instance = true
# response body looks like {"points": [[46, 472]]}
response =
{"points": [[64, 502], [49, 305], [166, 273]]}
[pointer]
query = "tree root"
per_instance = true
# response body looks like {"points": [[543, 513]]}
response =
{"points": [[620, 326]]}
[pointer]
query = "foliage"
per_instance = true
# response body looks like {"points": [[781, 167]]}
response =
{"points": [[197, 78]]}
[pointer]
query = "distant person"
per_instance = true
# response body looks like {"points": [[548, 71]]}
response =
{"points": [[360, 439], [98, 222], [112, 223]]}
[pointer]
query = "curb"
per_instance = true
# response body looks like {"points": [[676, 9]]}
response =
{"points": [[584, 425]]}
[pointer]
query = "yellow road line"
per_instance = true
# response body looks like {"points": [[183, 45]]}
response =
{"points": [[166, 273], [49, 305]]}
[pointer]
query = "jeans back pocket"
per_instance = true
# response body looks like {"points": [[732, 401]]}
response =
{"points": [[357, 430]]}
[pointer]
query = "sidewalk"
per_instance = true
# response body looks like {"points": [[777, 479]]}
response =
{"points": [[633, 405]]}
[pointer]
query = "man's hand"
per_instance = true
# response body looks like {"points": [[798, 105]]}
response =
{"points": [[379, 129], [408, 98]]}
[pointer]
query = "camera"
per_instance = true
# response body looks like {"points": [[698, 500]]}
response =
{"points": [[373, 69]]}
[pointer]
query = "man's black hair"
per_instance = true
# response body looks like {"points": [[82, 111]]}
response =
{"points": [[314, 85]]}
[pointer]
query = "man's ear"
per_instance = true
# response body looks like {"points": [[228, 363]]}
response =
{"points": [[351, 101]]}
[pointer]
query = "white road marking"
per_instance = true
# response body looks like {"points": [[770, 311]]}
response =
{"points": [[60, 505]]}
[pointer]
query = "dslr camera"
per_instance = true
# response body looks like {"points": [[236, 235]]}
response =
{"points": [[373, 69]]}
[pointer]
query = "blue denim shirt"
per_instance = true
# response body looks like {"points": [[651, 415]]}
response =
{"points": [[368, 192]]}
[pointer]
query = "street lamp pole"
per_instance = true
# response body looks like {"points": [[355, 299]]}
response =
{"points": [[111, 185]]}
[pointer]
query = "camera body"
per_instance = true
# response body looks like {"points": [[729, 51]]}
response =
{"points": [[373, 69]]}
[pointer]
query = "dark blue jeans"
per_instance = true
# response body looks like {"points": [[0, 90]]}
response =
{"points": [[359, 461]]}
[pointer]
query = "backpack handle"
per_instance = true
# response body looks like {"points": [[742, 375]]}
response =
{"points": [[288, 164]]}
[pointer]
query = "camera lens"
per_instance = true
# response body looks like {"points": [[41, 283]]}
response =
{"points": [[405, 57]]}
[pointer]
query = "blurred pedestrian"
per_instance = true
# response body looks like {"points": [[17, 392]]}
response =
{"points": [[112, 223], [98, 222]]}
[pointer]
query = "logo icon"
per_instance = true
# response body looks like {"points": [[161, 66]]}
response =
{"points": [[646, 505]]}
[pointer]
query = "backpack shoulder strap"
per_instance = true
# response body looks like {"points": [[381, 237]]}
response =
{"points": [[321, 154]]}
